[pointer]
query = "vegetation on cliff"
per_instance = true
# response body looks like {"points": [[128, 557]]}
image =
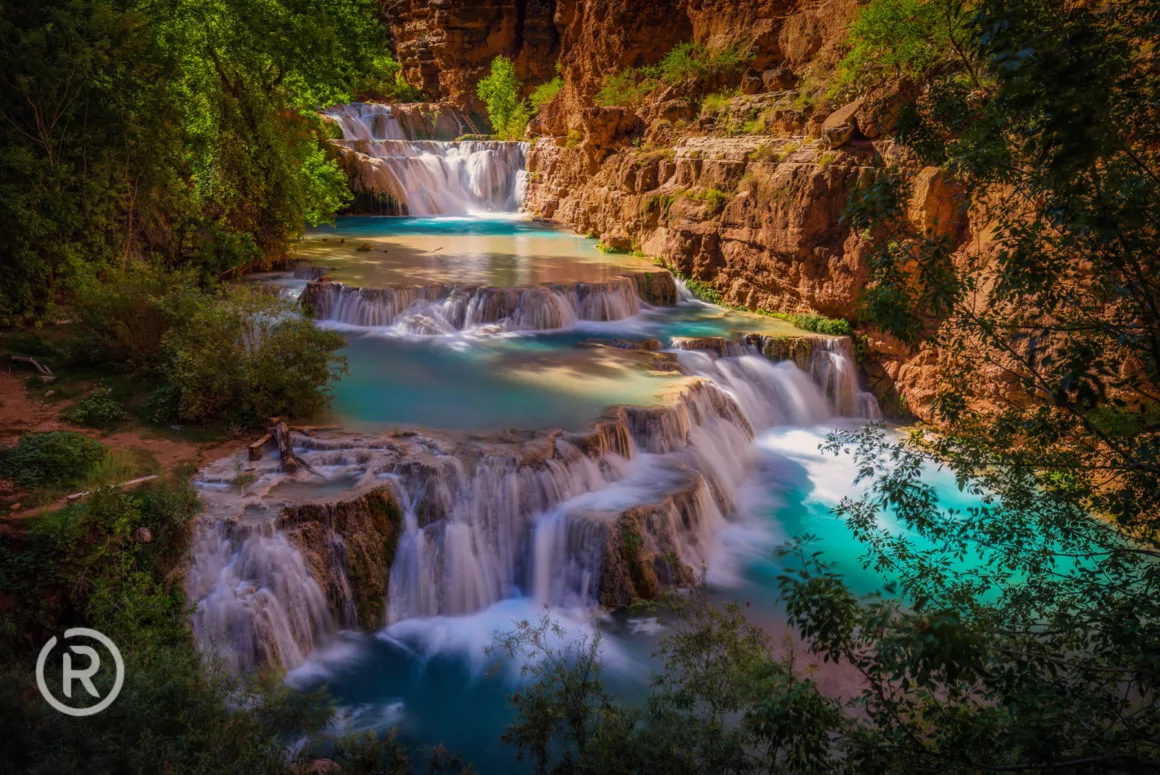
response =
{"points": [[691, 66], [500, 92]]}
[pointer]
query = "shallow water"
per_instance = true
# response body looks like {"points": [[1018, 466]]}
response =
{"points": [[497, 251]]}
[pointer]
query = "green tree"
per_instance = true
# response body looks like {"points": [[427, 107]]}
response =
{"points": [[500, 91]]}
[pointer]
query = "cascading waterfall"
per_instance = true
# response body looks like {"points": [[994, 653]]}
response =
{"points": [[506, 525], [430, 177], [833, 368], [257, 602], [446, 309]]}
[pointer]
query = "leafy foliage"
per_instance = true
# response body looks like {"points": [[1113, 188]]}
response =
{"points": [[690, 66], [908, 39], [249, 358], [500, 91], [545, 93], [723, 701], [97, 410], [181, 132], [56, 459]]}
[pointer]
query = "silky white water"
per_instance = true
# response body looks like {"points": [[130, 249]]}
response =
{"points": [[430, 177]]}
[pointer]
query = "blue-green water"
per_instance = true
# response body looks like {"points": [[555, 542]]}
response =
{"points": [[498, 251], [529, 380]]}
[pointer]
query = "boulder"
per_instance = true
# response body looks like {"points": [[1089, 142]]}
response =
{"points": [[606, 127], [751, 82], [936, 206], [841, 125], [778, 79]]}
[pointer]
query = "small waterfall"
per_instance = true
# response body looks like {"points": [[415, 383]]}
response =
{"points": [[447, 309], [472, 557], [834, 369], [429, 177], [737, 366], [769, 393], [257, 602]]}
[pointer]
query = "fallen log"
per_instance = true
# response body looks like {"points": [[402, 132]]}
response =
{"points": [[43, 370], [123, 485], [256, 447]]}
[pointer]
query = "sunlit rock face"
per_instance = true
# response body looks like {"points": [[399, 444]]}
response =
{"points": [[445, 48]]}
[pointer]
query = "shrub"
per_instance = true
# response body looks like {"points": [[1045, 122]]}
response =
{"points": [[97, 410], [819, 324], [627, 88], [911, 38], [500, 91], [690, 65], [56, 459], [546, 92], [385, 83], [714, 199], [119, 321], [251, 357], [715, 103], [603, 248]]}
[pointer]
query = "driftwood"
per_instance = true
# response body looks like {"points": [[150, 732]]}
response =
{"points": [[43, 370], [256, 447], [290, 462], [123, 485]]}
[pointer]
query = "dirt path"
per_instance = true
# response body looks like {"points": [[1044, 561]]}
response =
{"points": [[22, 413]]}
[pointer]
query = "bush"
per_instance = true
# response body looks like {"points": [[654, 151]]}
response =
{"points": [[689, 65], [715, 103], [819, 324], [911, 38], [500, 91], [97, 410], [385, 83], [248, 358], [714, 199], [57, 459], [546, 92], [120, 320]]}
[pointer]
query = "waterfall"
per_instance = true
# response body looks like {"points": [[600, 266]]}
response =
{"points": [[486, 521], [829, 362], [833, 368], [429, 177], [257, 602], [446, 309]]}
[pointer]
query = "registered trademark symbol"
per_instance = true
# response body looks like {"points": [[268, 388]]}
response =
{"points": [[74, 677]]}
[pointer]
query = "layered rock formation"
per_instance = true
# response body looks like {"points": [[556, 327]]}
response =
{"points": [[349, 547], [445, 47]]}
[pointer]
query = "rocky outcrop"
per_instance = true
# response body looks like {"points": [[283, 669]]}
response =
{"points": [[642, 552], [349, 547], [758, 219], [446, 47]]}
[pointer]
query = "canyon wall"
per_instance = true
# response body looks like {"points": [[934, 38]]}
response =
{"points": [[446, 46]]}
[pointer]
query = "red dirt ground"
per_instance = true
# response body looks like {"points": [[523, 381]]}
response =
{"points": [[22, 413]]}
